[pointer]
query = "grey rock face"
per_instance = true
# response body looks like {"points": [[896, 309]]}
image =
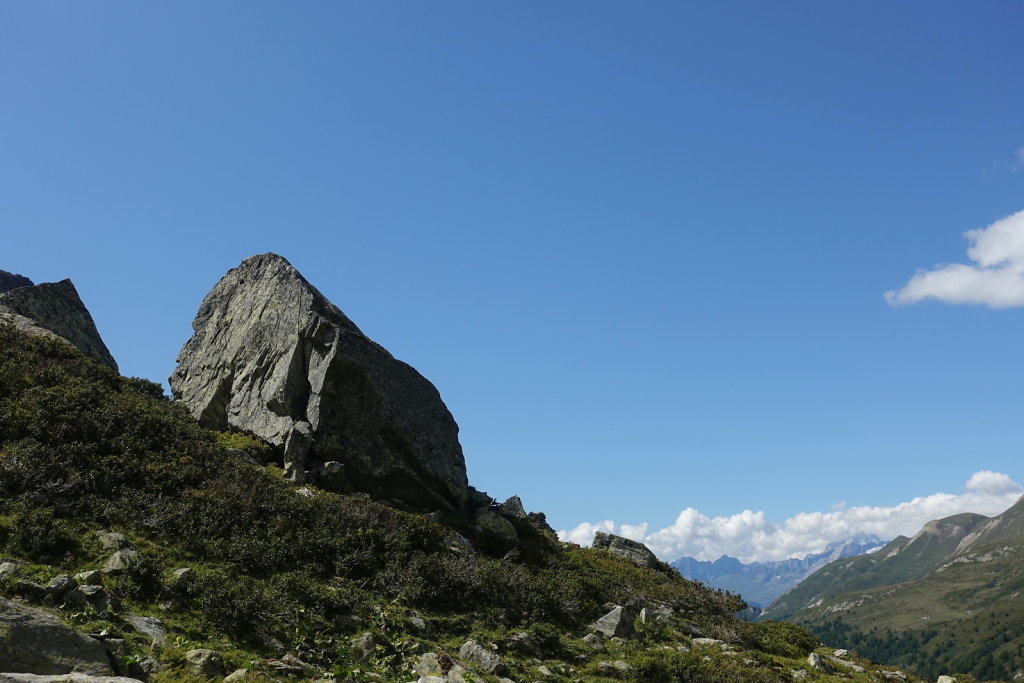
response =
{"points": [[273, 357], [54, 309], [631, 550], [36, 642], [9, 281]]}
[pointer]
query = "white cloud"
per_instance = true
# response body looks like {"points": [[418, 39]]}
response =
{"points": [[750, 537], [995, 279]]}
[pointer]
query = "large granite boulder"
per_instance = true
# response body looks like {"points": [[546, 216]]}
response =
{"points": [[36, 642], [51, 309], [273, 357], [634, 551]]}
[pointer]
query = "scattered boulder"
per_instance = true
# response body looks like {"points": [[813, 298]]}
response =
{"points": [[655, 615], [708, 642], [272, 357], [855, 668], [841, 653], [59, 585], [525, 643], [594, 641], [816, 662], [428, 664], [93, 577], [119, 561], [7, 569], [53, 309], [34, 641], [111, 540], [945, 679], [634, 551], [203, 662], [481, 657], [148, 626], [181, 578], [236, 675], [618, 623], [332, 475], [364, 646]]}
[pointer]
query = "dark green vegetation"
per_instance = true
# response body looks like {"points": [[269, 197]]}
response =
{"points": [[287, 570], [950, 599]]}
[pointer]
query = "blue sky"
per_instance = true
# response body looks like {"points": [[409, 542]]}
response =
{"points": [[640, 249]]}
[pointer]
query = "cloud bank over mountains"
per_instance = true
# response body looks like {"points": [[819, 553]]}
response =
{"points": [[995, 279], [749, 536]]}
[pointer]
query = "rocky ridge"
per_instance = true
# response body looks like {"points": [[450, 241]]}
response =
{"points": [[272, 357], [52, 309]]}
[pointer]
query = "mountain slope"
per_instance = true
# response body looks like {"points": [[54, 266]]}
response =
{"points": [[170, 526], [759, 583], [950, 598]]}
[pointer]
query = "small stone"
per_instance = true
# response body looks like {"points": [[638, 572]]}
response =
{"points": [[545, 672], [524, 643], [145, 668], [205, 662], [181, 578], [93, 577], [364, 646], [815, 661], [841, 653], [594, 640], [799, 674], [29, 590], [332, 475], [59, 585], [708, 642], [428, 664], [472, 652], [945, 679], [148, 626], [7, 569], [119, 561], [110, 540], [236, 675]]}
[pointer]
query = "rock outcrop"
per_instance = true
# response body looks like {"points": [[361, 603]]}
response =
{"points": [[633, 551], [9, 281], [36, 642], [51, 309], [273, 357]]}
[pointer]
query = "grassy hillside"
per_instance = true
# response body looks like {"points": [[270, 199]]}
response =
{"points": [[283, 572], [900, 560], [950, 599]]}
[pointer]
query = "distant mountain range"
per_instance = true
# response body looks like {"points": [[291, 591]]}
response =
{"points": [[950, 599], [761, 582]]}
